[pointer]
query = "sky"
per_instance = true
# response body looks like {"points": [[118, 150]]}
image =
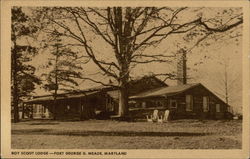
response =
{"points": [[205, 62]]}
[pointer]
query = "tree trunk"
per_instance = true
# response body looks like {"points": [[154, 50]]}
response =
{"points": [[16, 110], [15, 84], [15, 102], [80, 109], [23, 111], [56, 84], [226, 84], [123, 99], [32, 110], [54, 105]]}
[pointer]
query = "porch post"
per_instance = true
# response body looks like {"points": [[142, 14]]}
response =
{"points": [[32, 110], [23, 110], [80, 104]]}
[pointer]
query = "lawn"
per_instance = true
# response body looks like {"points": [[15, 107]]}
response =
{"points": [[100, 134]]}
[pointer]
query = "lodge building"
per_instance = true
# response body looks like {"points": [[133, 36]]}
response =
{"points": [[145, 95]]}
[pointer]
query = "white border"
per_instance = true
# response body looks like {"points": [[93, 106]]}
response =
{"points": [[176, 153]]}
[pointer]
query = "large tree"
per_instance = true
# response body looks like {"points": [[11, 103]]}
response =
{"points": [[128, 31], [64, 67], [23, 79]]}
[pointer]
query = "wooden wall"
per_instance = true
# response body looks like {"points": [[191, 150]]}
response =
{"points": [[198, 93], [180, 112]]}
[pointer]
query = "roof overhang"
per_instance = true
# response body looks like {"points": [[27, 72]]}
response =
{"points": [[45, 99]]}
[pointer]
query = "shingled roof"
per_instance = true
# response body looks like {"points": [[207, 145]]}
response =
{"points": [[165, 91], [60, 97], [112, 91]]}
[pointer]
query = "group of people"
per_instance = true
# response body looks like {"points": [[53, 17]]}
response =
{"points": [[156, 118]]}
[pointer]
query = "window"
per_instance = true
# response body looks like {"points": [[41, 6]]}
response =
{"points": [[44, 109], [159, 103], [110, 105], [189, 103], [173, 103], [217, 108], [205, 104], [40, 108], [68, 107], [35, 108]]}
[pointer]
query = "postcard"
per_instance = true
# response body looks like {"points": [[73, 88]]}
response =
{"points": [[124, 79]]}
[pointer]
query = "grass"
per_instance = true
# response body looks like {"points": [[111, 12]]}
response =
{"points": [[100, 134]]}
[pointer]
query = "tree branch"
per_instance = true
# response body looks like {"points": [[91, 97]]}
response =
{"points": [[88, 21], [83, 41], [223, 28], [149, 61], [99, 82]]}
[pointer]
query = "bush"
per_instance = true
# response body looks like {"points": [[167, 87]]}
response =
{"points": [[103, 116], [228, 115]]}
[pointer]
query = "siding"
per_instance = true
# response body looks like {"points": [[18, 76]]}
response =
{"points": [[180, 112]]}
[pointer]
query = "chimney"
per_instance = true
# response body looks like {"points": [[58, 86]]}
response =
{"points": [[181, 67]]}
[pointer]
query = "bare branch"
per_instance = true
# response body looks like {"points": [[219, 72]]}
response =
{"points": [[84, 43], [149, 61], [88, 21], [171, 76], [144, 42], [110, 64], [199, 41], [222, 28], [99, 14], [99, 82]]}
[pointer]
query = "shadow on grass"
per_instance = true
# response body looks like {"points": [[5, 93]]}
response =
{"points": [[104, 133], [44, 123]]}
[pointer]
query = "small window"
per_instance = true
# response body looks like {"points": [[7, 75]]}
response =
{"points": [[35, 108], [189, 103], [137, 105], [205, 104], [68, 107], [40, 109], [110, 105], [173, 103], [159, 103], [217, 108]]}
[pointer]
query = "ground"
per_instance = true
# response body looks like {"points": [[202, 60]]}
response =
{"points": [[101, 134]]}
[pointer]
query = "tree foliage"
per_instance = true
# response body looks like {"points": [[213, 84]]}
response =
{"points": [[65, 68], [23, 79]]}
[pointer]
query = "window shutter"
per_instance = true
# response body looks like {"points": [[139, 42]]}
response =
{"points": [[205, 104], [189, 103], [217, 108], [173, 103]]}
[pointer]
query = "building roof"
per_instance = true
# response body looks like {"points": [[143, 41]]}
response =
{"points": [[60, 97], [165, 91], [114, 94], [139, 79], [170, 91], [111, 90]]}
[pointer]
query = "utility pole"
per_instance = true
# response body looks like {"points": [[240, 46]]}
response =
{"points": [[226, 84]]}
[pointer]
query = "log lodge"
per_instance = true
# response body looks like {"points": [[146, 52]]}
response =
{"points": [[146, 94]]}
